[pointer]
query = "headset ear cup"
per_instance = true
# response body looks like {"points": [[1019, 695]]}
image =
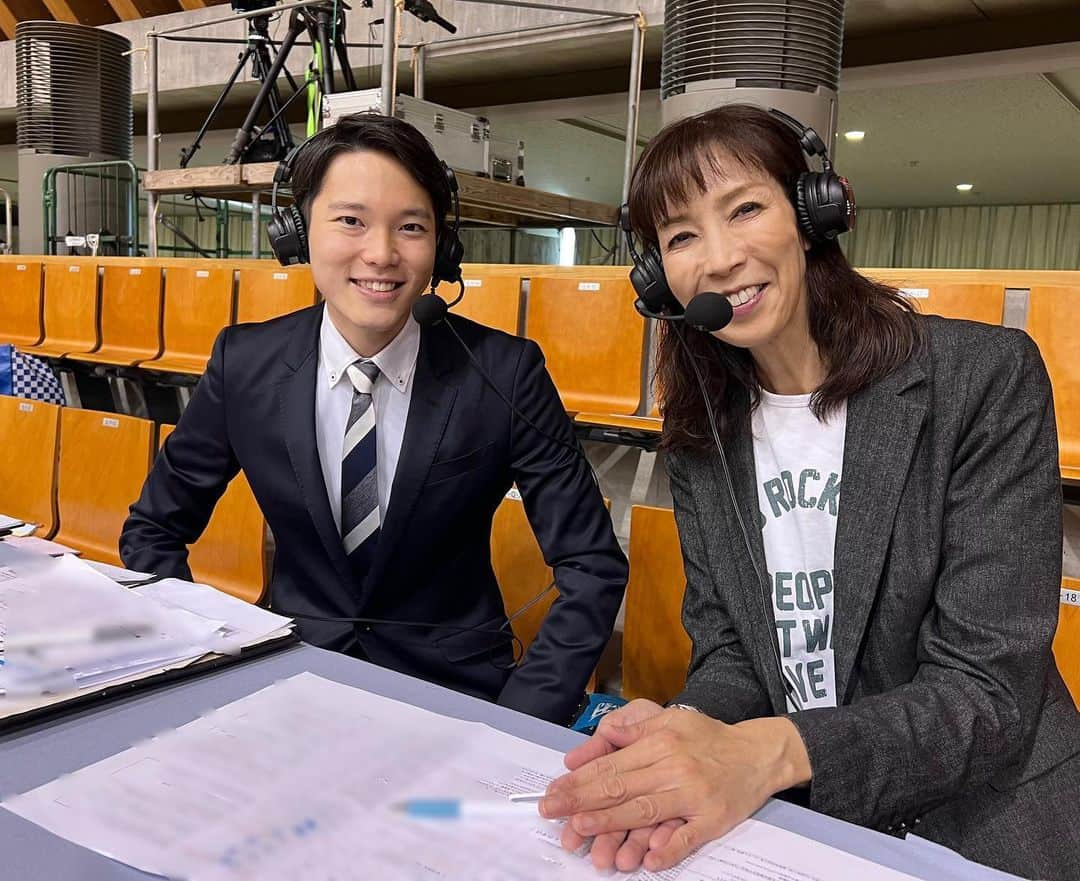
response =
{"points": [[448, 254], [657, 295], [300, 231], [804, 209]]}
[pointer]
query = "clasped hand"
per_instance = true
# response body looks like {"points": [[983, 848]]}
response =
{"points": [[653, 784]]}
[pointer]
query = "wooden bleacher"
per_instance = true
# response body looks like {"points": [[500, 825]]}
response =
{"points": [[1054, 324], [593, 341], [199, 302], [70, 310], [231, 552], [656, 649], [131, 304], [269, 290], [21, 303], [29, 435], [1067, 641], [490, 298], [520, 569], [104, 460]]}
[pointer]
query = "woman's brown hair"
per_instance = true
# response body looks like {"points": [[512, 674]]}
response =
{"points": [[863, 329]]}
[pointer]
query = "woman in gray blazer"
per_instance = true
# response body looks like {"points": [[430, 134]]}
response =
{"points": [[883, 657]]}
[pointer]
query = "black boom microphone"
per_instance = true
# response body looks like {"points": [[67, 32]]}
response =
{"points": [[708, 312]]}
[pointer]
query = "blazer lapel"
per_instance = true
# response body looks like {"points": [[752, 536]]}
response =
{"points": [[429, 412], [883, 425], [296, 407], [754, 595]]}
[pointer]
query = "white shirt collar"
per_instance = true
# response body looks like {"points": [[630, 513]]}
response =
{"points": [[396, 360]]}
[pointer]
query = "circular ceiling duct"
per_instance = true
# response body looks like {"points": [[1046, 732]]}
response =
{"points": [[73, 90], [775, 53]]}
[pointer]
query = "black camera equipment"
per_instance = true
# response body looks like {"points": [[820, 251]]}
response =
{"points": [[324, 24]]}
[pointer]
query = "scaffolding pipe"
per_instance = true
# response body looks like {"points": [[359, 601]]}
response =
{"points": [[633, 103], [389, 56], [151, 141], [419, 70]]}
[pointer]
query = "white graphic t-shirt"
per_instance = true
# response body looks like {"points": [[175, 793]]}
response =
{"points": [[799, 461]]}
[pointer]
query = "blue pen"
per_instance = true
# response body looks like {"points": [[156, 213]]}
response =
{"points": [[456, 808]]}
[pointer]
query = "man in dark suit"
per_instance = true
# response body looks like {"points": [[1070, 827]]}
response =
{"points": [[378, 453]]}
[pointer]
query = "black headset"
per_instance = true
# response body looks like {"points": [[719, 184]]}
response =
{"points": [[824, 207], [287, 230]]}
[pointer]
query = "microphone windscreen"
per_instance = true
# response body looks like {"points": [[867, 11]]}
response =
{"points": [[709, 311], [429, 310]]}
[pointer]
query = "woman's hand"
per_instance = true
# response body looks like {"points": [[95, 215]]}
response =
{"points": [[622, 849], [672, 765]]}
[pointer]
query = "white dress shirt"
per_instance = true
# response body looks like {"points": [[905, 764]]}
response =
{"points": [[390, 397]]}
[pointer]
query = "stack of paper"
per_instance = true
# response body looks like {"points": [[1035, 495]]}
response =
{"points": [[65, 627], [297, 782]]}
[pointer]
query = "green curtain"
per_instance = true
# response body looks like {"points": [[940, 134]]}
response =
{"points": [[975, 237]]}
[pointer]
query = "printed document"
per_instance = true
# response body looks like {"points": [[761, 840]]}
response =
{"points": [[296, 782]]}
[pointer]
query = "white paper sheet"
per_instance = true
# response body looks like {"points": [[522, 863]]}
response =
{"points": [[118, 574], [7, 522], [244, 622], [33, 545], [295, 783]]}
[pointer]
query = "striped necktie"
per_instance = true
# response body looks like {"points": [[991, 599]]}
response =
{"points": [[359, 477]]}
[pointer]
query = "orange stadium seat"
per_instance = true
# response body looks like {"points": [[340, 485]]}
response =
{"points": [[71, 309], [130, 316], [593, 340], [231, 553], [29, 432], [656, 649], [1052, 323], [975, 302], [520, 569], [21, 303], [491, 299], [1067, 640], [104, 460], [266, 292], [198, 304]]}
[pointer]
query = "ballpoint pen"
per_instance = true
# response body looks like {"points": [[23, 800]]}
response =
{"points": [[457, 808]]}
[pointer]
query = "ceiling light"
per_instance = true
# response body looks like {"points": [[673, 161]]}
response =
{"points": [[855, 135], [963, 188]]}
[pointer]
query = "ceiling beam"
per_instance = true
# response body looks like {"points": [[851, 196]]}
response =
{"points": [[7, 20], [193, 4], [88, 12], [23, 10], [129, 10]]}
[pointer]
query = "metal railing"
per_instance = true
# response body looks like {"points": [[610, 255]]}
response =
{"points": [[100, 203]]}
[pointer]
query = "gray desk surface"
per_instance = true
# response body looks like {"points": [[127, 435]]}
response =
{"points": [[34, 756]]}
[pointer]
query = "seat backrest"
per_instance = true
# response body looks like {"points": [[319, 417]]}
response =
{"points": [[493, 300], [71, 306], [131, 299], [520, 568], [1052, 323], [104, 460], [592, 339], [20, 303], [1067, 639], [231, 553], [29, 431], [656, 649], [975, 302], [198, 304], [266, 292]]}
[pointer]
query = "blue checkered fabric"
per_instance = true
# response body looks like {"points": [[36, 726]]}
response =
{"points": [[29, 377]]}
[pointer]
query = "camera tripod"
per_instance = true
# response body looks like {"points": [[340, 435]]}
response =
{"points": [[325, 26]]}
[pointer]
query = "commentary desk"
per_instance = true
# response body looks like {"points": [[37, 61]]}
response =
{"points": [[38, 754]]}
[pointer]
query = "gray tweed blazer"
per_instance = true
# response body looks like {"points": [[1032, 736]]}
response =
{"points": [[952, 717]]}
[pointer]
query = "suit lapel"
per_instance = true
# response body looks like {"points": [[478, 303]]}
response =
{"points": [[429, 412], [755, 596], [296, 408], [883, 425]]}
